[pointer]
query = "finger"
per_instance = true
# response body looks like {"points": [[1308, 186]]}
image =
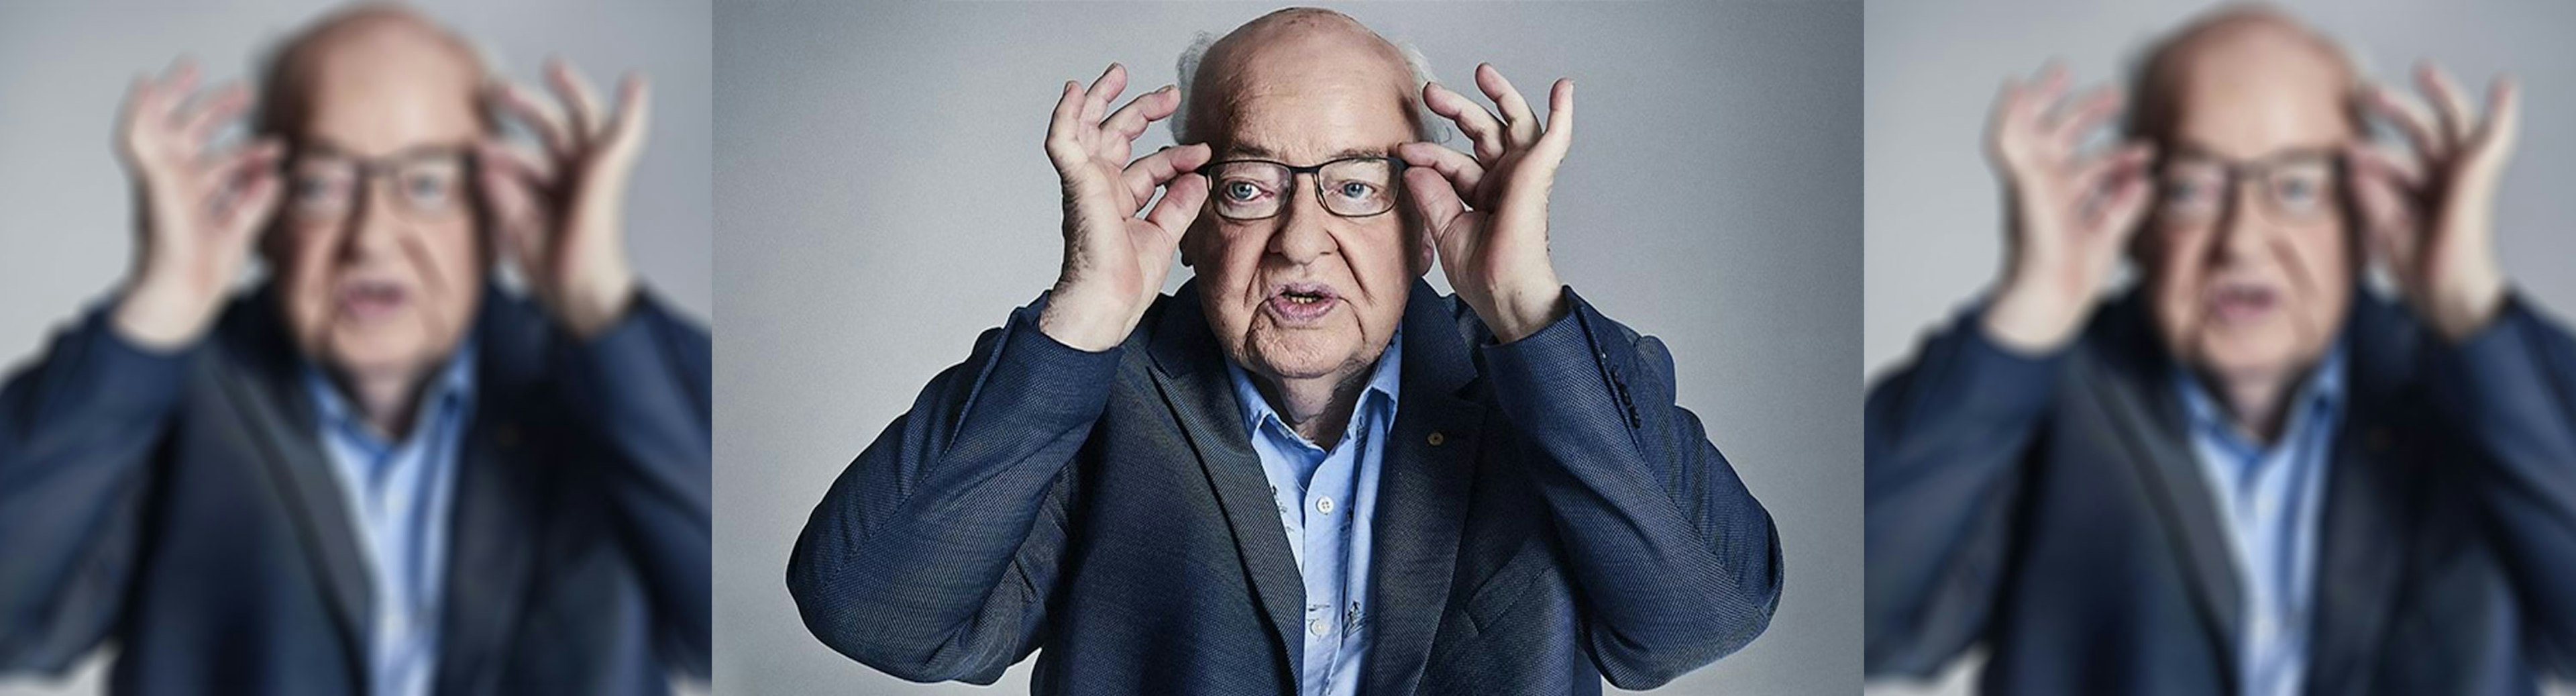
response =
{"points": [[1454, 170], [541, 116], [2401, 169], [1095, 101], [626, 131], [1520, 126], [2494, 139], [2383, 190], [499, 158], [2104, 171], [212, 113], [1434, 201], [1182, 200], [2449, 103], [1159, 169], [1130, 121], [250, 185], [175, 85], [2412, 119], [1559, 137], [2068, 126], [581, 101], [2041, 93], [1062, 143], [1480, 125]]}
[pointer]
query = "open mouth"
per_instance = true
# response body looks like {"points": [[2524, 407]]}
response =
{"points": [[371, 300], [1301, 303], [2241, 303]]}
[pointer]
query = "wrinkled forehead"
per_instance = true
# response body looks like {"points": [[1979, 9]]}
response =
{"points": [[1304, 99], [386, 92]]}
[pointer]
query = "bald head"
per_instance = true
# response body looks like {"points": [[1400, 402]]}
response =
{"points": [[2239, 56], [367, 52], [1295, 52]]}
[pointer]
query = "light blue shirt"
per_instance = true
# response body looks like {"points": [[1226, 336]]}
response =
{"points": [[399, 496], [1325, 501], [2269, 502]]}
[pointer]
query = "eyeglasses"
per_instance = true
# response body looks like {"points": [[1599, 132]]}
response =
{"points": [[326, 185], [1249, 189], [2296, 187]]}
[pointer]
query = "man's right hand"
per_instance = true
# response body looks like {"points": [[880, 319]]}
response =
{"points": [[2071, 212], [1114, 262], [198, 209]]}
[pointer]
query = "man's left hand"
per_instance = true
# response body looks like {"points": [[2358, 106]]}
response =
{"points": [[561, 213], [2429, 213], [1487, 215]]}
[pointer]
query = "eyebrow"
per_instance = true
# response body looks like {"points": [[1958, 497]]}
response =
{"points": [[325, 146], [2190, 149]]}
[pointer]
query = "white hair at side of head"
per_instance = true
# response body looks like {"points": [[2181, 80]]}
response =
{"points": [[1429, 127]]}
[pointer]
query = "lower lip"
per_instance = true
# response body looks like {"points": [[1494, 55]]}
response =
{"points": [[2242, 310], [1292, 312], [366, 307]]}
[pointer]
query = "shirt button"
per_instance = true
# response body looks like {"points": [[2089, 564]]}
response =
{"points": [[1324, 505], [1319, 626], [1437, 439]]}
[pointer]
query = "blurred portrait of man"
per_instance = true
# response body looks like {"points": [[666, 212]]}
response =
{"points": [[2253, 470], [1305, 471], [376, 470]]}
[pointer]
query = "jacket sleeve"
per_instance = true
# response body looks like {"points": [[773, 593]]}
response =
{"points": [[79, 432], [642, 387], [1678, 564], [2512, 389], [932, 556], [1942, 449]]}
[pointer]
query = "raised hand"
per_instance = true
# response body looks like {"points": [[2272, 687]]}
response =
{"points": [[2429, 211], [561, 212], [199, 208], [1487, 214], [2070, 211], [1114, 262]]}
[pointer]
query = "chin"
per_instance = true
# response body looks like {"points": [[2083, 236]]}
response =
{"points": [[1303, 354], [385, 350], [2269, 351]]}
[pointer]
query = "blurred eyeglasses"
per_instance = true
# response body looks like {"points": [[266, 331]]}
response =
{"points": [[2298, 188], [1249, 189], [428, 183]]}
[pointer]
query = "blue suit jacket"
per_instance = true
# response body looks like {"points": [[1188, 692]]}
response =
{"points": [[2051, 511], [181, 509], [1547, 517]]}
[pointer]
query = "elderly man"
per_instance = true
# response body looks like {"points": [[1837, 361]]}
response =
{"points": [[1304, 472], [2249, 474], [375, 473]]}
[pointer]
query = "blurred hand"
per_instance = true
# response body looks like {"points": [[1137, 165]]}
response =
{"points": [[561, 213], [2070, 212], [199, 209], [2429, 211], [1487, 214], [1114, 262]]}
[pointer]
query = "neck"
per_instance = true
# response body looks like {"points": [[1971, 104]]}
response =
{"points": [[1317, 408], [387, 402], [2258, 405]]}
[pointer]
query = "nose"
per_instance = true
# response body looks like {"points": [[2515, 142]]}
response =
{"points": [[2242, 230], [372, 228], [1303, 234]]}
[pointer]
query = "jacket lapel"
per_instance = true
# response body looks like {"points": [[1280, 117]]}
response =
{"points": [[1422, 499], [494, 528], [2148, 418], [278, 416], [2370, 512], [1191, 377]]}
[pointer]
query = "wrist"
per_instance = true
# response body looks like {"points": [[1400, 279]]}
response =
{"points": [[1513, 313], [1085, 320], [2033, 319], [590, 307], [161, 314]]}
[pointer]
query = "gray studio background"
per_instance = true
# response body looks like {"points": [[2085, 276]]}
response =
{"points": [[1934, 210], [64, 66], [884, 197]]}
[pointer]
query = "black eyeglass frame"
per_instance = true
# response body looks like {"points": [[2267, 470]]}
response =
{"points": [[1314, 173]]}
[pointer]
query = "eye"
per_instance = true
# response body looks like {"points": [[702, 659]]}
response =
{"points": [[1357, 190], [1242, 191], [315, 191], [2184, 193], [427, 189]]}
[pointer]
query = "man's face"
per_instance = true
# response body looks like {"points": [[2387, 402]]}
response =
{"points": [[2247, 257], [379, 261], [1305, 293]]}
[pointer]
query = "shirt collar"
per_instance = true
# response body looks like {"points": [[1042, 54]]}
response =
{"points": [[1384, 384], [2321, 394], [452, 388]]}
